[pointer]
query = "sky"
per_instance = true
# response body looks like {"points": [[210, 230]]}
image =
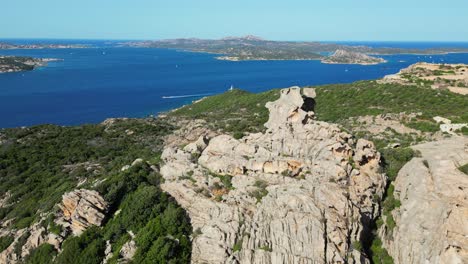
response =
{"points": [[325, 20]]}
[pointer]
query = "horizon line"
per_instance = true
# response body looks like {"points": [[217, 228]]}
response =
{"points": [[158, 39]]}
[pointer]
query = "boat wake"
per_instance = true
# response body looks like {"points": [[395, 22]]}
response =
{"points": [[184, 96]]}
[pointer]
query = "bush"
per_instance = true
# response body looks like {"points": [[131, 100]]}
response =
{"points": [[379, 254], [43, 254], [464, 168], [88, 248], [394, 160], [5, 242]]}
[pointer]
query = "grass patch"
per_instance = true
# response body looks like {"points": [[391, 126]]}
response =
{"points": [[423, 126]]}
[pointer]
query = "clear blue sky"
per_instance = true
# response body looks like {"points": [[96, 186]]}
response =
{"points": [[397, 20]]}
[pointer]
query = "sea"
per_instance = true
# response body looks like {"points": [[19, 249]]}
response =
{"points": [[92, 84]]}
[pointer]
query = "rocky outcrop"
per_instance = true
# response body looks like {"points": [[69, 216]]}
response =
{"points": [[432, 221], [302, 192], [32, 237], [81, 209]]}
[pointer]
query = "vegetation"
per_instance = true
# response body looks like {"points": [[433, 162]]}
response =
{"points": [[379, 253], [44, 254], [39, 164], [393, 161], [240, 112], [16, 63], [424, 126], [5, 241], [338, 102], [464, 168], [235, 111], [51, 160], [261, 190]]}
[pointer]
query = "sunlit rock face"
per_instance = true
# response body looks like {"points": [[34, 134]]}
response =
{"points": [[302, 192], [431, 225]]}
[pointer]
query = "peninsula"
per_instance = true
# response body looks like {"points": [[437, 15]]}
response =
{"points": [[4, 45], [17, 64]]}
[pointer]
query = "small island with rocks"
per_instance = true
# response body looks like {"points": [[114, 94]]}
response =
{"points": [[18, 64], [351, 57]]}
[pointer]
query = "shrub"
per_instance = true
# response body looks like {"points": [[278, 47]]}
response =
{"points": [[379, 254], [237, 246], [43, 254], [464, 168], [5, 241]]}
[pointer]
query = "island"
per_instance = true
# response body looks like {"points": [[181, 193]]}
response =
{"points": [[4, 45], [17, 63], [351, 57], [255, 48]]}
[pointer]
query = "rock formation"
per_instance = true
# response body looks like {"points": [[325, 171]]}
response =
{"points": [[81, 209], [432, 221], [302, 192]]}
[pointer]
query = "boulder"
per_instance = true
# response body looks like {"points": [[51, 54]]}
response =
{"points": [[81, 209]]}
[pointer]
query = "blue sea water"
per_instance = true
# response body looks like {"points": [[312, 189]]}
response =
{"points": [[90, 85]]}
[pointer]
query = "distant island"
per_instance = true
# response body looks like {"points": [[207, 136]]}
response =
{"points": [[17, 64], [255, 48], [4, 45], [351, 57]]}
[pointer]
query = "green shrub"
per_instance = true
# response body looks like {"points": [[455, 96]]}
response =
{"points": [[464, 168], [379, 254], [5, 241], [43, 254], [395, 159], [237, 246]]}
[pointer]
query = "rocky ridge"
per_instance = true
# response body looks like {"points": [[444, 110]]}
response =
{"points": [[302, 192]]}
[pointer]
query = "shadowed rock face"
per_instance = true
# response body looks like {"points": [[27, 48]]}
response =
{"points": [[295, 196], [432, 221]]}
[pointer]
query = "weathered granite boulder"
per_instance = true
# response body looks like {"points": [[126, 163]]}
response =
{"points": [[81, 209], [290, 195], [432, 221]]}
